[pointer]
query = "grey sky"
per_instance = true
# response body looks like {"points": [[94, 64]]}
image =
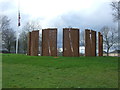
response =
{"points": [[82, 14], [93, 14]]}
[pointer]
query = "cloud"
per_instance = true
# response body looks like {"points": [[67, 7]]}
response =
{"points": [[80, 19], [61, 13], [82, 14]]}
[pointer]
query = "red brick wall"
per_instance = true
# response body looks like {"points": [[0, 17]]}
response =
{"points": [[29, 44], [90, 42], [70, 42], [49, 42], [33, 41], [100, 44]]}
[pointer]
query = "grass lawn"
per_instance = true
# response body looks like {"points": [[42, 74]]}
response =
{"points": [[21, 71]]}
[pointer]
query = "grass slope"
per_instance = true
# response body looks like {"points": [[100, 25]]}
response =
{"points": [[21, 71]]}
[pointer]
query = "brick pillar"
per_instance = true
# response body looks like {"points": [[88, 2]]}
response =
{"points": [[29, 44], [93, 43], [90, 43], [100, 44], [33, 41], [70, 42], [49, 42], [87, 43], [45, 47]]}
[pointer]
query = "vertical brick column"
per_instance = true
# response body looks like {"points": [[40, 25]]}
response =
{"points": [[49, 42], [45, 46], [100, 44], [90, 43], [33, 41], [70, 42], [87, 43], [93, 43], [66, 43], [29, 44]]}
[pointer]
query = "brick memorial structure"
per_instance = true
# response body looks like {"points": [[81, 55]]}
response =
{"points": [[90, 42], [70, 42], [100, 44], [33, 39], [49, 42]]}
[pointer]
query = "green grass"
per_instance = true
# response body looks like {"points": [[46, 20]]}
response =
{"points": [[21, 71]]}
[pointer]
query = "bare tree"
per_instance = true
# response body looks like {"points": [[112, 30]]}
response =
{"points": [[116, 10], [8, 36], [28, 27], [116, 13], [109, 37]]}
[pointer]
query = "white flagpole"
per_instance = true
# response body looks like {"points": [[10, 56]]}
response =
{"points": [[17, 35], [17, 42]]}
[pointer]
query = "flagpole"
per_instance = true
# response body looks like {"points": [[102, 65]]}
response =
{"points": [[17, 35], [17, 42]]}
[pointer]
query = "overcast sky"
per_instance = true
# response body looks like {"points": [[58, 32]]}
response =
{"points": [[61, 13], [82, 14]]}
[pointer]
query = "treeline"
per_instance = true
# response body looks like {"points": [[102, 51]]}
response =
{"points": [[9, 35], [110, 36]]}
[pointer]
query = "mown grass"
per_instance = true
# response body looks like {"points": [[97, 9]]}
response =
{"points": [[21, 71]]}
